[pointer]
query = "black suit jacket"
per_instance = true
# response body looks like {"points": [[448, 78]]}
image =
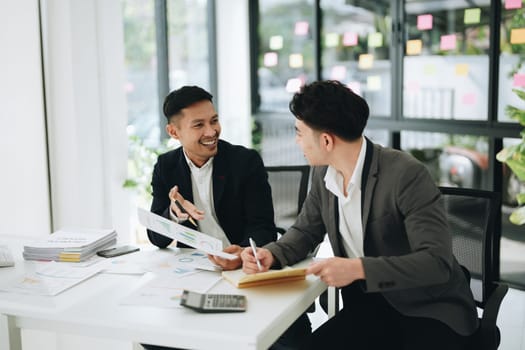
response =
{"points": [[241, 194]]}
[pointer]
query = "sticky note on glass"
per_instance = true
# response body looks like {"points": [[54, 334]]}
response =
{"points": [[512, 4], [373, 83], [414, 47], [301, 28], [355, 86], [276, 42], [461, 69], [429, 69], [375, 40], [424, 22], [469, 98], [517, 36], [366, 61], [338, 73], [293, 85], [412, 86], [295, 60], [447, 42], [331, 39], [271, 59], [350, 39], [472, 16], [519, 80]]}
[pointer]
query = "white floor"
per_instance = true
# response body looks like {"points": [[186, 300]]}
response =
{"points": [[511, 320]]}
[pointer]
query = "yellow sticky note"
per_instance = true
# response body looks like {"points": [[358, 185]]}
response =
{"points": [[472, 16], [366, 61], [331, 39], [295, 60], [375, 40], [461, 69], [373, 83], [414, 47], [517, 36]]}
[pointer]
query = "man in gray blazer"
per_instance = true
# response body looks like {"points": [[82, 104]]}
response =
{"points": [[402, 288]]}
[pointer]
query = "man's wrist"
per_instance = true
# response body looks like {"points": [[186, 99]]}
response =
{"points": [[174, 217]]}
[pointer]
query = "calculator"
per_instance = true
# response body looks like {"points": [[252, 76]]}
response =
{"points": [[213, 302]]}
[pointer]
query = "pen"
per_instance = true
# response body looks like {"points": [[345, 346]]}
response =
{"points": [[181, 208], [254, 249]]}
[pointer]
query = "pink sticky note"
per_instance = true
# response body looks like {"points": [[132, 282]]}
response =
{"points": [[469, 98], [338, 73], [355, 86], [424, 22], [412, 86], [448, 42], [270, 59], [349, 39], [519, 80], [301, 28], [512, 4]]}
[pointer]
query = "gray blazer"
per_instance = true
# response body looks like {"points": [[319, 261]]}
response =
{"points": [[407, 246]]}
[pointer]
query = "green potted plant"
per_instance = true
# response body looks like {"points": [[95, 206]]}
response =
{"points": [[514, 157]]}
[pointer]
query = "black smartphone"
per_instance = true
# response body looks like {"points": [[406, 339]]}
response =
{"points": [[116, 251]]}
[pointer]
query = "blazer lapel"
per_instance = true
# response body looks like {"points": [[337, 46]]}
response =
{"points": [[219, 176], [183, 178], [368, 181]]}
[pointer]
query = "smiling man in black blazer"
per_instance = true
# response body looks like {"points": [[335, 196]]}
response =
{"points": [[222, 188]]}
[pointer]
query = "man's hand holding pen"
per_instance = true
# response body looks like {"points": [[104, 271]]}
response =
{"points": [[249, 261], [183, 209]]}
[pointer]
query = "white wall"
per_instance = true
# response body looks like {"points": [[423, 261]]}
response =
{"points": [[84, 56], [233, 60], [24, 199]]}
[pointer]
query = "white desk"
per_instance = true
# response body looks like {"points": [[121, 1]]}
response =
{"points": [[93, 308]]}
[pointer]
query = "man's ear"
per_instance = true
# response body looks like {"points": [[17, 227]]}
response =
{"points": [[327, 141], [171, 130]]}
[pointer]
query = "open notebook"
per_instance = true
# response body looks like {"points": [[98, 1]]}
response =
{"points": [[242, 280]]}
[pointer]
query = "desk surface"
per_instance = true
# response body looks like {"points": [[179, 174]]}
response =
{"points": [[93, 308]]}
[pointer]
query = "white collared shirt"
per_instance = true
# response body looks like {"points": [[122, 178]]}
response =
{"points": [[202, 189], [349, 206]]}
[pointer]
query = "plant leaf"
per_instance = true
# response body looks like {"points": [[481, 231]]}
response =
{"points": [[518, 167], [518, 216], [521, 198]]}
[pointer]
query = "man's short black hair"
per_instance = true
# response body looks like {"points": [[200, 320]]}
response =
{"points": [[329, 106], [182, 98]]}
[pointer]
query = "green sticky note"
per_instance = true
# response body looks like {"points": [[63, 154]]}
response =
{"points": [[332, 39], [375, 40], [429, 69], [472, 16]]}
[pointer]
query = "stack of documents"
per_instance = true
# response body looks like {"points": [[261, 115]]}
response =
{"points": [[242, 280], [70, 245]]}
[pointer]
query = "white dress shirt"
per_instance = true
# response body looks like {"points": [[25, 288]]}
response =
{"points": [[349, 206], [202, 189]]}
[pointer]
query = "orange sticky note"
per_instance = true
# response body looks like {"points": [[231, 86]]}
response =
{"points": [[366, 61], [414, 47], [462, 69], [517, 36], [295, 60]]}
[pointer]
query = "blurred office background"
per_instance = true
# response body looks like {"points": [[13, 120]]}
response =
{"points": [[82, 84]]}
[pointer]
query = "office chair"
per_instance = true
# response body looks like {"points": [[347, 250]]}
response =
{"points": [[471, 216], [289, 187]]}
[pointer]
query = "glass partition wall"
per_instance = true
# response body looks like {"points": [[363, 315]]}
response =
{"points": [[438, 76]]}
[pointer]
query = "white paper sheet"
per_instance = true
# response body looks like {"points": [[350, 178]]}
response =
{"points": [[166, 291], [183, 234], [50, 279]]}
